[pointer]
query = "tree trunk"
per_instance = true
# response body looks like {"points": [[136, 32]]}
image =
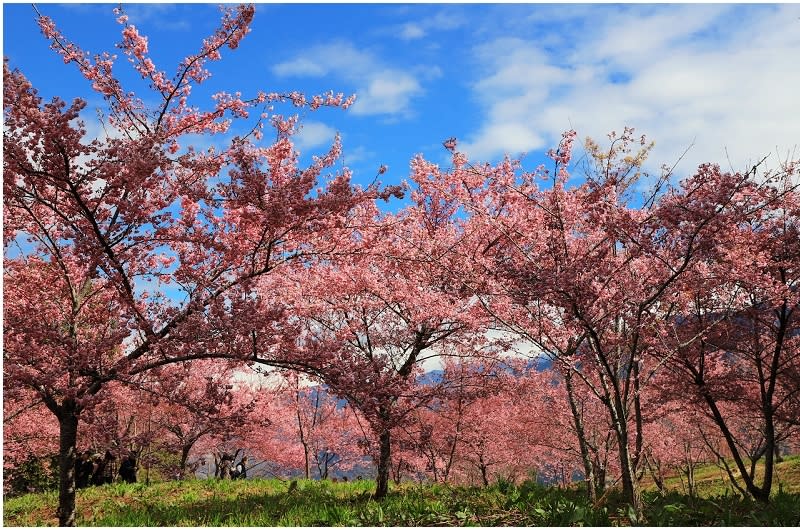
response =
{"points": [[484, 471], [225, 468], [767, 400], [384, 463], [630, 486], [307, 460], [397, 472], [749, 480], [588, 468], [452, 456], [690, 479], [615, 400], [769, 458], [303, 440], [656, 474], [185, 449], [484, 476], [67, 441], [599, 469]]}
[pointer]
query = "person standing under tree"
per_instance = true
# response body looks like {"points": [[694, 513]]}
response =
{"points": [[108, 473], [127, 469], [225, 465], [83, 470], [240, 471], [96, 477]]}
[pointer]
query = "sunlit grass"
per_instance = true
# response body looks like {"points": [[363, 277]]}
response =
{"points": [[712, 480], [321, 503]]}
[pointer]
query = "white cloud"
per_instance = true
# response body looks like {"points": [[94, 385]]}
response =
{"points": [[387, 92], [421, 27], [428, 73], [719, 76], [97, 130], [336, 57], [358, 154], [503, 137], [300, 67], [162, 16], [411, 31], [381, 90], [314, 134]]}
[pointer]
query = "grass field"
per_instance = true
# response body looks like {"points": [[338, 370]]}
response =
{"points": [[712, 481], [322, 503]]}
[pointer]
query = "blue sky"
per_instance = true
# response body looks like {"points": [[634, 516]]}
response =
{"points": [[500, 78]]}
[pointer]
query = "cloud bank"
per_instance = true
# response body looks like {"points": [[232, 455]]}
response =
{"points": [[381, 89], [723, 79]]}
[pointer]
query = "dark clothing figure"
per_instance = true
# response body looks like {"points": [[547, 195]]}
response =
{"points": [[225, 465], [83, 470], [240, 471], [96, 477], [104, 470], [109, 469], [127, 469]]}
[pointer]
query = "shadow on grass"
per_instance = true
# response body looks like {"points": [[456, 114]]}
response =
{"points": [[675, 509], [309, 505], [245, 510]]}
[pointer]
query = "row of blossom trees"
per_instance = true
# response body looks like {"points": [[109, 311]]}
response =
{"points": [[139, 265], [487, 422]]}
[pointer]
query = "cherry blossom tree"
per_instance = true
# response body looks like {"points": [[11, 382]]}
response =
{"points": [[135, 259], [581, 274], [30, 435], [432, 441], [365, 340], [325, 427], [733, 347], [126, 245], [293, 428], [493, 420], [201, 399], [579, 427], [366, 323], [679, 435], [271, 437]]}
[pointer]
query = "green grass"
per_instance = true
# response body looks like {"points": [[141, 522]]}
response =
{"points": [[711, 480], [322, 503]]}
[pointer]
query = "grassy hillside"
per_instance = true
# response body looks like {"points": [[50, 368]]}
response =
{"points": [[712, 480], [322, 503]]}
